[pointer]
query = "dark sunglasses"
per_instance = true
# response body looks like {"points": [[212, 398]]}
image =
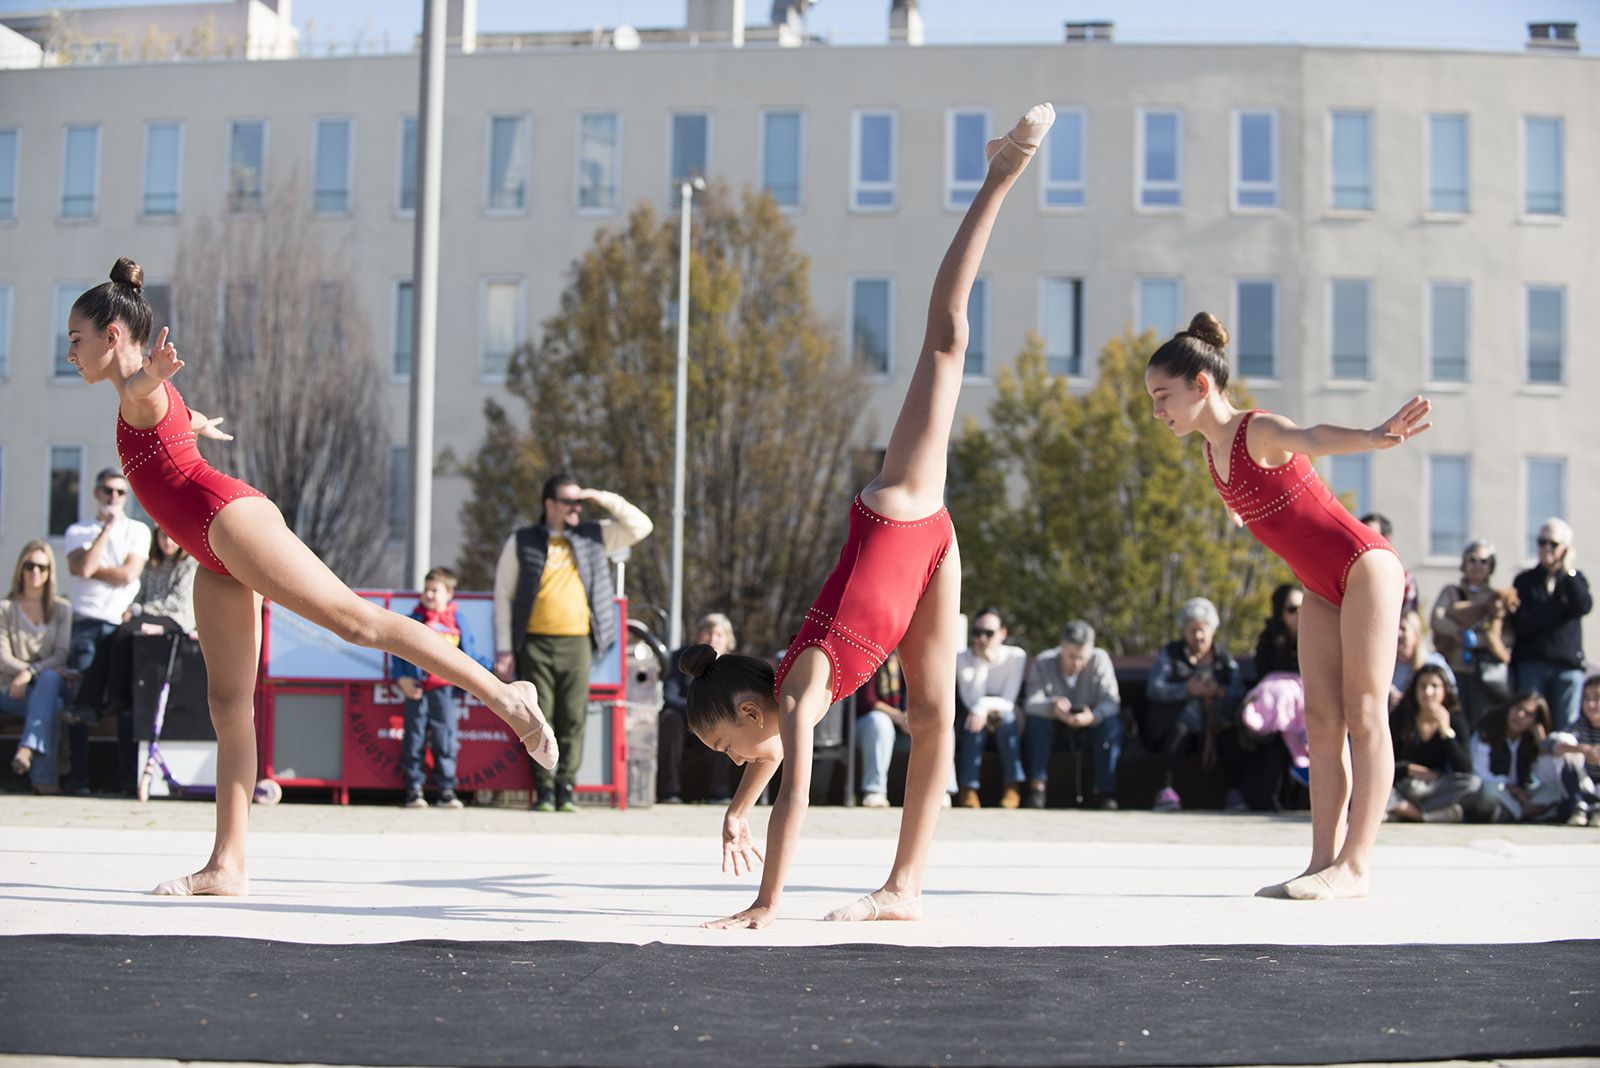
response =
{"points": [[1484, 560], [34, 565], [1292, 609], [979, 632], [115, 491], [569, 502], [1547, 543]]}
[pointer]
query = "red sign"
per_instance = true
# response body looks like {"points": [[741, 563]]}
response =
{"points": [[490, 757]]}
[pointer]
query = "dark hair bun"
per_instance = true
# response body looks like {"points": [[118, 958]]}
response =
{"points": [[1206, 327], [127, 273], [694, 660]]}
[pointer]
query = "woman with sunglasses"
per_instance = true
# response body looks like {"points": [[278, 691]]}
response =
{"points": [[1354, 585], [1552, 599], [246, 551], [35, 637], [897, 584], [1469, 628]]}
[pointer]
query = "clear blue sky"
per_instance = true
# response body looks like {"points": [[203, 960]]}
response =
{"points": [[1465, 24]]}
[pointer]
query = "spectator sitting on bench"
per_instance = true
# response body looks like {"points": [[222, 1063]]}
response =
{"points": [[1193, 684], [989, 678], [35, 634], [1072, 703], [165, 605]]}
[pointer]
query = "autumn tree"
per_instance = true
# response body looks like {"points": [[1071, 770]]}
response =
{"points": [[1073, 506], [275, 340], [773, 410]]}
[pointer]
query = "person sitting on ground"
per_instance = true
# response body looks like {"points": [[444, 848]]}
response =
{"points": [[1278, 647], [35, 638], [1470, 631], [430, 699], [673, 734], [1412, 651], [1506, 751], [1587, 735], [1072, 702], [1194, 685], [989, 676], [1433, 780], [164, 605]]}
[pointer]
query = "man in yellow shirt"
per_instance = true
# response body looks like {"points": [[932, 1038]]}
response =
{"points": [[553, 611]]}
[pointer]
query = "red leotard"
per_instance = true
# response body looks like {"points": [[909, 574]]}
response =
{"points": [[1294, 514], [867, 603], [174, 484]]}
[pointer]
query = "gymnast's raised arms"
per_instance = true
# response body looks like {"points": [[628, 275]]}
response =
{"points": [[1274, 436]]}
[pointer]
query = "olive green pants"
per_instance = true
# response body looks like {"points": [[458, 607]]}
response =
{"points": [[558, 667]]}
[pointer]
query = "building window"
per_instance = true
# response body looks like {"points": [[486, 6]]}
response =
{"points": [[1256, 336], [1547, 497], [399, 493], [872, 323], [510, 160], [10, 141], [1547, 313], [966, 134], [1448, 304], [400, 364], [5, 332], [67, 294], [334, 158], [241, 320], [1447, 164], [1350, 479], [1063, 185], [1255, 136], [1351, 160], [691, 150], [1062, 327], [163, 166], [159, 296], [1160, 306], [599, 156], [1543, 166], [80, 173], [977, 363], [1160, 159], [247, 156], [1449, 504], [502, 326], [1352, 328], [407, 199], [873, 166], [66, 485], [782, 147]]}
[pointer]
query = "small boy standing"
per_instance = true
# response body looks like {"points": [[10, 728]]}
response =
{"points": [[430, 700]]}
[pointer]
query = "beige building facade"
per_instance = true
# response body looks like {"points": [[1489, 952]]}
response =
{"points": [[1370, 224]]}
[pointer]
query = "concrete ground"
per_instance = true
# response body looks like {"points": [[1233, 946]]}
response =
{"points": [[370, 873]]}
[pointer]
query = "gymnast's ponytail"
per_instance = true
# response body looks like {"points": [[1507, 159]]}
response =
{"points": [[1196, 349], [717, 682], [119, 300]]}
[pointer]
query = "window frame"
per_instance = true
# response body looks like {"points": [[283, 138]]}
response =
{"points": [[489, 208], [400, 176], [66, 294], [674, 181], [1527, 335], [349, 165], [1138, 302], [1333, 356], [49, 470], [800, 157], [260, 191], [1543, 217], [952, 185], [615, 185], [983, 336], [1078, 373], [1371, 206], [1143, 183], [145, 214], [1530, 521], [395, 326], [1452, 555], [1364, 497], [1237, 183], [1275, 378], [1430, 341], [887, 374], [520, 331], [1049, 184], [1430, 210], [8, 315], [892, 185], [93, 214], [10, 218]]}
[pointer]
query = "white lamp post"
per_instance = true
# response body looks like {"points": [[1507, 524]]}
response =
{"points": [[675, 616]]}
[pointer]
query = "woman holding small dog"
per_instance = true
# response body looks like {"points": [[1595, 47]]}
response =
{"points": [[1469, 628]]}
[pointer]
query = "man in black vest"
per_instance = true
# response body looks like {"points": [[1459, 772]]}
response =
{"points": [[553, 610]]}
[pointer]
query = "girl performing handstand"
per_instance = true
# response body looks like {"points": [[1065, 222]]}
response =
{"points": [[897, 585], [1350, 619], [246, 552]]}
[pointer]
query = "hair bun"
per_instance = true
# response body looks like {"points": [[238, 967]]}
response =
{"points": [[127, 273], [694, 660], [1208, 328]]}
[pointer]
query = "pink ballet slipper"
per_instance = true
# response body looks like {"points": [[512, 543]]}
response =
{"points": [[866, 910], [538, 739], [1026, 136]]}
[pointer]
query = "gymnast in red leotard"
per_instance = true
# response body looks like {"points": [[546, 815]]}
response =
{"points": [[247, 552], [897, 585], [1350, 619]]}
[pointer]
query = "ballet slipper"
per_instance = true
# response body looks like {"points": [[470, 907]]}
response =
{"points": [[1026, 136], [537, 738], [866, 909], [238, 886], [1278, 890], [1319, 886]]}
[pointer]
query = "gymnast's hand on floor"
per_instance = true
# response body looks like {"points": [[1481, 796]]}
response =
{"points": [[737, 845], [753, 918], [163, 362]]}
